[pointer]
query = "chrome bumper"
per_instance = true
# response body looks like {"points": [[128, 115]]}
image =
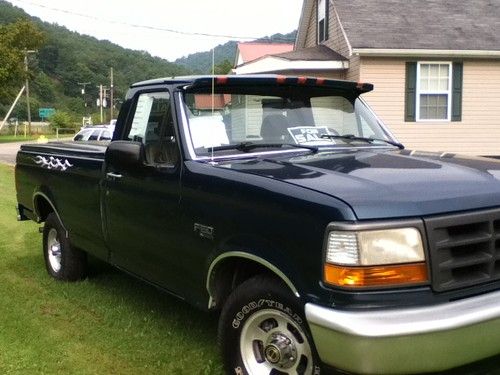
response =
{"points": [[408, 340]]}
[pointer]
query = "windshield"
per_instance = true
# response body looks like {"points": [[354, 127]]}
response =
{"points": [[285, 117]]}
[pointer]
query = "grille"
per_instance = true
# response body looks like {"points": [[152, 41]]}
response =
{"points": [[464, 249]]}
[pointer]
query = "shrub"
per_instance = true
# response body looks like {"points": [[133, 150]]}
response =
{"points": [[61, 119]]}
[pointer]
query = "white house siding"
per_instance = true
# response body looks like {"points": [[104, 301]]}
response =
{"points": [[340, 119], [477, 134], [336, 39], [254, 116], [247, 119], [311, 38], [329, 75], [353, 72], [238, 117]]}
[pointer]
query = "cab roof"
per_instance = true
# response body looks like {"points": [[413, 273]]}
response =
{"points": [[259, 79]]}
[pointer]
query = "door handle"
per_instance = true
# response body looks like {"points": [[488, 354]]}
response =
{"points": [[113, 176]]}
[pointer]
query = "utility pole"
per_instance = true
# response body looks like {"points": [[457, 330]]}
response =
{"points": [[83, 84], [27, 84], [104, 102], [111, 104], [101, 102]]}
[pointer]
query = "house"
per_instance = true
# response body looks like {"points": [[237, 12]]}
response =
{"points": [[435, 65], [317, 60], [249, 52]]}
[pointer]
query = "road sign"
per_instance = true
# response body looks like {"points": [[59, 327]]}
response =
{"points": [[44, 113]]}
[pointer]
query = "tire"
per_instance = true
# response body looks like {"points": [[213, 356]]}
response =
{"points": [[262, 330], [62, 261]]}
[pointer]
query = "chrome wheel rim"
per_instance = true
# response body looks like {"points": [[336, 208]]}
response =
{"points": [[54, 250], [273, 343]]}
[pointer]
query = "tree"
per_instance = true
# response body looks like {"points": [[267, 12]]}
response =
{"points": [[14, 39], [44, 88], [61, 119], [224, 67]]}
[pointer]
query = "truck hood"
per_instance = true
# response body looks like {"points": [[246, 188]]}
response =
{"points": [[388, 184]]}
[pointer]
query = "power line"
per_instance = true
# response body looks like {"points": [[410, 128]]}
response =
{"points": [[154, 28]]}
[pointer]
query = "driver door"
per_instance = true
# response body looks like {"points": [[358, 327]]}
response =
{"points": [[142, 203]]}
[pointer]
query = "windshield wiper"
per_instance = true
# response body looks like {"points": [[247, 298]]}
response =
{"points": [[351, 137], [249, 146]]}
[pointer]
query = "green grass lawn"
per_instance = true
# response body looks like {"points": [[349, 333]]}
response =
{"points": [[21, 138], [108, 324]]}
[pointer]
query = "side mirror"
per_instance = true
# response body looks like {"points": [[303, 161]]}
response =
{"points": [[125, 154]]}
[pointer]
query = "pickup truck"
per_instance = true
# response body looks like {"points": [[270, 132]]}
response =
{"points": [[287, 206]]}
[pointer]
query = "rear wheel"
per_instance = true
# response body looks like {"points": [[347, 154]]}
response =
{"points": [[62, 261], [262, 330]]}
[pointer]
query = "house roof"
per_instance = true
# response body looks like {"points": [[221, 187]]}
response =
{"points": [[252, 51], [415, 24], [318, 58], [316, 53]]}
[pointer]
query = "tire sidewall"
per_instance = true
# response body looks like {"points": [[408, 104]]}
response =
{"points": [[237, 312], [53, 223]]}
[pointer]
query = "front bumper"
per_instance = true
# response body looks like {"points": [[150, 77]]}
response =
{"points": [[407, 340]]}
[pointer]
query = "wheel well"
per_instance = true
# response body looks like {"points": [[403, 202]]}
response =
{"points": [[42, 207], [230, 273]]}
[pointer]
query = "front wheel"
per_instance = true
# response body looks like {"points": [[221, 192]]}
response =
{"points": [[262, 330], [63, 262]]}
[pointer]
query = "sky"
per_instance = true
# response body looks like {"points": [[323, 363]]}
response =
{"points": [[114, 20]]}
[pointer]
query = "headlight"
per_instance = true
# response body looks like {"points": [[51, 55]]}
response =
{"points": [[369, 248], [375, 257]]}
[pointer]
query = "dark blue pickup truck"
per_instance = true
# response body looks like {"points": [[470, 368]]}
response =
{"points": [[284, 203]]}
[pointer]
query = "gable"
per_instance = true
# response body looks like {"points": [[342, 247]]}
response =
{"points": [[412, 24]]}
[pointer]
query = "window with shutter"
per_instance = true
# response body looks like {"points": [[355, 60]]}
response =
{"points": [[433, 91]]}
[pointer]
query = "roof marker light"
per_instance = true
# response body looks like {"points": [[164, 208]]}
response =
{"points": [[222, 80], [302, 80], [281, 79]]}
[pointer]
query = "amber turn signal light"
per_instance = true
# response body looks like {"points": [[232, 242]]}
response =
{"points": [[392, 275]]}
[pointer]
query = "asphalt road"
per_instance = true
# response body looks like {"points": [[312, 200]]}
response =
{"points": [[8, 152]]}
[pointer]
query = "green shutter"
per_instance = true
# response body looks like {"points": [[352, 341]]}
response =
{"points": [[456, 92], [411, 92]]}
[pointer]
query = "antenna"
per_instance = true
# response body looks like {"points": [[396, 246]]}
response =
{"points": [[213, 81], [213, 93]]}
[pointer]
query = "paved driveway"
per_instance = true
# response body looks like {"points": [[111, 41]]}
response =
{"points": [[8, 152]]}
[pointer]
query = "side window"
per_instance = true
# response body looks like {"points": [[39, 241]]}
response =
{"points": [[105, 136], [433, 91], [145, 122], [82, 135], [152, 125], [95, 135]]}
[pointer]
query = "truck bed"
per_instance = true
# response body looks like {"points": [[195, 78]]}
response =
{"points": [[67, 176]]}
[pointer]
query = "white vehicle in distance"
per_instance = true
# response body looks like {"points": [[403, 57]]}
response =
{"points": [[103, 133]]}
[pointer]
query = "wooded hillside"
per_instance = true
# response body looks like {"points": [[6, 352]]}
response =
{"points": [[67, 58], [201, 62]]}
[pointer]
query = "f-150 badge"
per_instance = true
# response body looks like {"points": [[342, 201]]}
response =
{"points": [[204, 231], [53, 163]]}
